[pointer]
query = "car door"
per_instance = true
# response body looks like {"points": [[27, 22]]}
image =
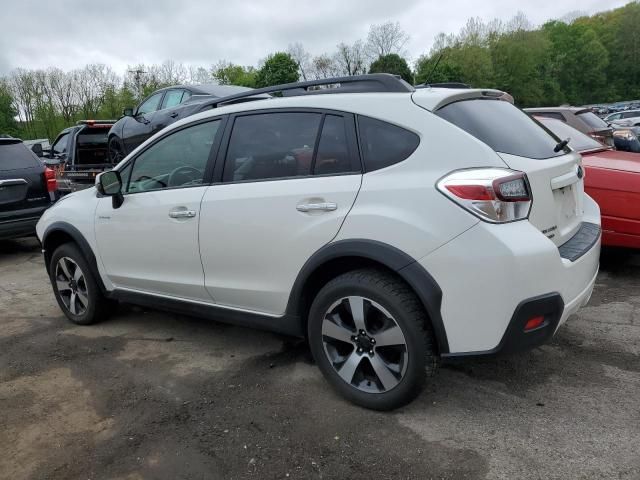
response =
{"points": [[150, 243], [287, 182], [140, 126], [170, 109]]}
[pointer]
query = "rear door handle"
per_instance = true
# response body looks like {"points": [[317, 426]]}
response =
{"points": [[317, 207], [182, 213]]}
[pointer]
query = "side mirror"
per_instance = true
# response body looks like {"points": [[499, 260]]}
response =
{"points": [[37, 149], [110, 184], [127, 112]]}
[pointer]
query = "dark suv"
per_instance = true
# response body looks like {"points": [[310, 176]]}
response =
{"points": [[27, 189]]}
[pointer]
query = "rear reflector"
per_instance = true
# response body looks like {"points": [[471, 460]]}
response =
{"points": [[50, 178], [533, 323]]}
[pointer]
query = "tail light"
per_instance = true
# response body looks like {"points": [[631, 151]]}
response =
{"points": [[492, 194], [50, 178]]}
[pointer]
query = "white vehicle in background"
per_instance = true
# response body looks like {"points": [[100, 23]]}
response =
{"points": [[387, 225], [627, 118]]}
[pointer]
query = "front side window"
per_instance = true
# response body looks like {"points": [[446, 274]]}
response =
{"points": [[271, 145], [60, 145], [179, 160], [503, 127], [172, 98], [150, 104]]}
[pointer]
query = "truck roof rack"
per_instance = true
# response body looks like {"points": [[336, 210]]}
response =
{"points": [[373, 82]]}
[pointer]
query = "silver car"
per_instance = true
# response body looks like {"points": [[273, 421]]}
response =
{"points": [[628, 118]]}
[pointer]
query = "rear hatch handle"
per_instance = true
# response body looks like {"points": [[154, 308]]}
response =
{"points": [[567, 179]]}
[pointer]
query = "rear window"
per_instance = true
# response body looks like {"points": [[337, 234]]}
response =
{"points": [[15, 155], [383, 144], [579, 141], [503, 127], [592, 120], [93, 136]]}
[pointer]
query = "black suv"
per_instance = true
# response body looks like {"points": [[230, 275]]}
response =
{"points": [[163, 107], [27, 188]]}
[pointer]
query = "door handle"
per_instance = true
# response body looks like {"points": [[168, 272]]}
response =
{"points": [[173, 115], [317, 207], [182, 213]]}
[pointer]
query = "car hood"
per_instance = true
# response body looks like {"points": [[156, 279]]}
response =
{"points": [[613, 160]]}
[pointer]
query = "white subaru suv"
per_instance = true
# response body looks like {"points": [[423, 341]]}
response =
{"points": [[389, 226]]}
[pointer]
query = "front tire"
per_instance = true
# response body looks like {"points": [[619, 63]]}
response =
{"points": [[75, 287], [370, 336]]}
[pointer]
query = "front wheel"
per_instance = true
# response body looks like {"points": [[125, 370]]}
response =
{"points": [[370, 337], [75, 287], [116, 153]]}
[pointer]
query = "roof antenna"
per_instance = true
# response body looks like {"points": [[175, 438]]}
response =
{"points": [[426, 82]]}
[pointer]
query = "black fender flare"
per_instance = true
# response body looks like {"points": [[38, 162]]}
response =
{"points": [[419, 279], [82, 243]]}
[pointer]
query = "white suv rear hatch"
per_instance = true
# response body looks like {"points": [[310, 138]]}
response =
{"points": [[553, 170]]}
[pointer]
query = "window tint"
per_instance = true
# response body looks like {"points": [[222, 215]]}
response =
{"points": [[60, 146], [383, 144], [579, 141], [15, 155], [178, 160], [172, 98], [333, 149], [503, 127], [271, 145], [150, 105], [592, 120]]}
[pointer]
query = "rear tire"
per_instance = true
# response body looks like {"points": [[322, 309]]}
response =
{"points": [[371, 338], [75, 288]]}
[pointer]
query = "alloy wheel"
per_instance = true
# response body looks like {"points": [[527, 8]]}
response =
{"points": [[71, 286], [364, 344]]}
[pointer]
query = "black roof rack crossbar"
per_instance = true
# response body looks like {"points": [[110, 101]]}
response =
{"points": [[374, 82]]}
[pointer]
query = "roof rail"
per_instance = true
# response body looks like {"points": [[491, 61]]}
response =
{"points": [[444, 85], [373, 82]]}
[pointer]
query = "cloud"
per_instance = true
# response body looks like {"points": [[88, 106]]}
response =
{"points": [[71, 33]]}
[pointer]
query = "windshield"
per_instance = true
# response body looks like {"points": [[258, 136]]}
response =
{"points": [[503, 127], [579, 141], [592, 120]]}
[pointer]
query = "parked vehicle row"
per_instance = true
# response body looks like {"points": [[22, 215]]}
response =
{"points": [[348, 219], [582, 119]]}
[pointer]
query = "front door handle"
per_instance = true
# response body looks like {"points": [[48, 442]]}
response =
{"points": [[173, 115], [317, 207], [182, 213]]}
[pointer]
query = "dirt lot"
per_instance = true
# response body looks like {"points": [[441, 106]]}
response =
{"points": [[151, 395]]}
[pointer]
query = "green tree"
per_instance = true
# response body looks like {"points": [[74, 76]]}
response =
{"points": [[230, 74], [278, 68], [8, 113], [394, 64]]}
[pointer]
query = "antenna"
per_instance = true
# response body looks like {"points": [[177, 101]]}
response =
{"points": [[426, 81]]}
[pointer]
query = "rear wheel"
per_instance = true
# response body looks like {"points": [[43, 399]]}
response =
{"points": [[75, 287], [116, 153], [369, 335]]}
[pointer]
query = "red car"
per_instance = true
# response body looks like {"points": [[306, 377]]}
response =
{"points": [[612, 179]]}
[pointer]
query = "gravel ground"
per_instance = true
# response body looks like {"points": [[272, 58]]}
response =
{"points": [[148, 395]]}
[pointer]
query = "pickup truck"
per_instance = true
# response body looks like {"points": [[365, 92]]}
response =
{"points": [[78, 154]]}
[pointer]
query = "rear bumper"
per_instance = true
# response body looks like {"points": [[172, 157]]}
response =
{"points": [[24, 227], [490, 271]]}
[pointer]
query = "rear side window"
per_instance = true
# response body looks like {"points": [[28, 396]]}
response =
{"points": [[333, 155], [271, 145], [14, 156], [383, 144], [592, 120], [503, 127]]}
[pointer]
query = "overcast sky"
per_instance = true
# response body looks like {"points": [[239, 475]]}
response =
{"points": [[70, 34]]}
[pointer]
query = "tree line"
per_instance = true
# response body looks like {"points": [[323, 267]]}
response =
{"points": [[579, 60]]}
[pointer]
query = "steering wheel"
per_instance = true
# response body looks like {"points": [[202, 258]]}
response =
{"points": [[184, 174]]}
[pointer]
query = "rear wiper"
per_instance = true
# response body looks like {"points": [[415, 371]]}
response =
{"points": [[561, 145]]}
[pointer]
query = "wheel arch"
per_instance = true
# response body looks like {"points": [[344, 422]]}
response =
{"points": [[346, 255], [59, 233]]}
